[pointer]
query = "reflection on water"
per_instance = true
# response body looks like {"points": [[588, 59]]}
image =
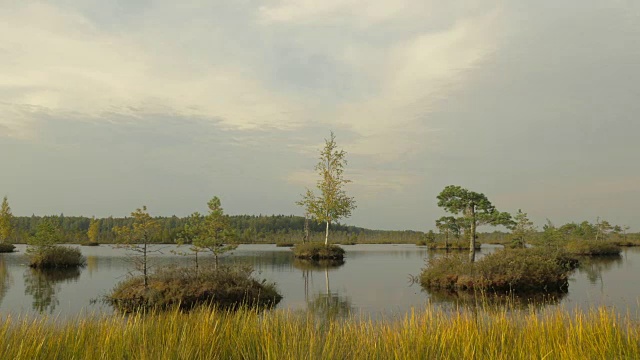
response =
{"points": [[328, 304], [484, 299], [317, 265], [5, 278], [594, 267], [372, 281], [43, 286]]}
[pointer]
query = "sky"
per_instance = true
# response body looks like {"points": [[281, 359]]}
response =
{"points": [[106, 106]]}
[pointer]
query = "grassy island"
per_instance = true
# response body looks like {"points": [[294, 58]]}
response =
{"points": [[226, 287], [318, 251], [55, 257], [518, 271]]}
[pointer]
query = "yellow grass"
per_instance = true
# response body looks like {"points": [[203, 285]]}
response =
{"points": [[246, 334]]}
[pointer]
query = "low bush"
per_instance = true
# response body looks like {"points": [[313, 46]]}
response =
{"points": [[228, 287], [626, 243], [451, 245], [592, 248], [284, 244], [317, 251], [6, 248], [518, 271], [50, 257], [90, 243]]}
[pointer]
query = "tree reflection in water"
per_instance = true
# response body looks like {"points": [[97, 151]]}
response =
{"points": [[5, 278], [44, 284], [593, 267], [327, 305]]}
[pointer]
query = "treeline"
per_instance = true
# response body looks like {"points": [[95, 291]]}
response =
{"points": [[551, 233], [247, 228]]}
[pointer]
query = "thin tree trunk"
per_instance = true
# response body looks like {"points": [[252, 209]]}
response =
{"points": [[144, 263], [326, 236], [306, 228], [472, 242], [196, 263]]}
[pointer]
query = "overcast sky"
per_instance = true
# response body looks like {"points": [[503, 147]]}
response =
{"points": [[106, 106]]}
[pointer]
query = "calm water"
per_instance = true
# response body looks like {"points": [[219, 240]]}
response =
{"points": [[374, 280]]}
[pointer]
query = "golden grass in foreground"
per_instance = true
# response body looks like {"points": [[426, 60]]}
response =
{"points": [[432, 334]]}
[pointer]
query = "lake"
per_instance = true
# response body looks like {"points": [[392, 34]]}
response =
{"points": [[375, 280]]}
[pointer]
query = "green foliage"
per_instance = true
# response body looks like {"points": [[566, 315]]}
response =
{"points": [[523, 229], [317, 251], [210, 233], [56, 257], [47, 234], [6, 221], [332, 203], [216, 235], [476, 210], [137, 237], [226, 287], [519, 271]]}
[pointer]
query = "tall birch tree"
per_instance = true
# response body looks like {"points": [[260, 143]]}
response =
{"points": [[332, 203]]}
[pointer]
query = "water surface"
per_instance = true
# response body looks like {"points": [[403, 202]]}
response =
{"points": [[374, 280]]}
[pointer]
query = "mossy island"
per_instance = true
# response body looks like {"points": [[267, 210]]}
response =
{"points": [[318, 251], [227, 287], [514, 271]]}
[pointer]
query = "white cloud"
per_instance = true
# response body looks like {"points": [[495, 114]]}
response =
{"points": [[59, 61], [414, 76]]}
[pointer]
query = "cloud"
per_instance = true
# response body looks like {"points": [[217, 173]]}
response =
{"points": [[310, 11], [59, 60], [387, 78]]}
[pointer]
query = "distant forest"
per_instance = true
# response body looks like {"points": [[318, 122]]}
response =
{"points": [[247, 228]]}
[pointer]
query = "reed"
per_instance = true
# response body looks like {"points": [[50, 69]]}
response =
{"points": [[245, 334]]}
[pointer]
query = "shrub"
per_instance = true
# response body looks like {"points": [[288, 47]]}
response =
{"points": [[317, 251], [56, 257], [228, 287], [6, 248], [284, 244], [592, 248], [523, 270], [452, 245], [90, 243]]}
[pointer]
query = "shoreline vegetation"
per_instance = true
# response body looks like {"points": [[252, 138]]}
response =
{"points": [[7, 248], [209, 333]]}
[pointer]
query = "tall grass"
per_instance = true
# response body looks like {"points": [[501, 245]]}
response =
{"points": [[429, 334]]}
